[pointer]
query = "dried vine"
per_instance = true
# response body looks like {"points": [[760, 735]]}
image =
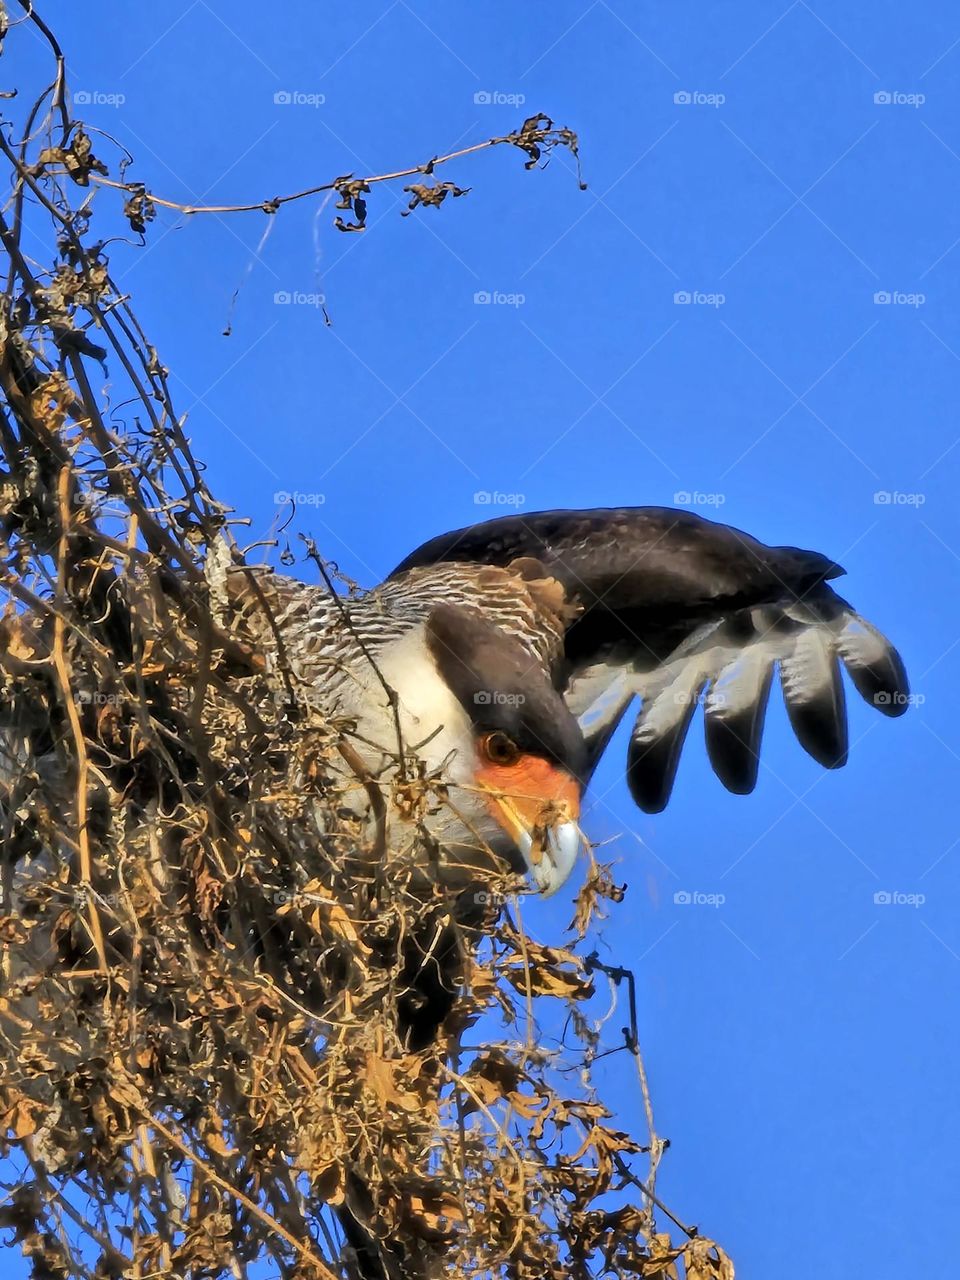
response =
{"points": [[209, 969]]}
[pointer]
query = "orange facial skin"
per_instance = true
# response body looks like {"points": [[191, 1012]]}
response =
{"points": [[529, 794]]}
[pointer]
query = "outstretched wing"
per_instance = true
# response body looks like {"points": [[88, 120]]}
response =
{"points": [[682, 611]]}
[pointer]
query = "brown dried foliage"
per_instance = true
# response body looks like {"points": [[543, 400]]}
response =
{"points": [[202, 981]]}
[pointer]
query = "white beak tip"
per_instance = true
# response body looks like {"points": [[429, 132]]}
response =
{"points": [[557, 859]]}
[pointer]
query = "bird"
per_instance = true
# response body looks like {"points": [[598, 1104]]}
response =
{"points": [[490, 670], [501, 657]]}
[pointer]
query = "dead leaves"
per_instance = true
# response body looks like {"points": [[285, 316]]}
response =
{"points": [[434, 1213], [624, 1240], [390, 1081], [326, 919], [545, 971], [139, 209], [351, 192], [495, 1078], [431, 197], [263, 1072], [605, 1143], [20, 1116], [705, 1260], [76, 157], [537, 135], [702, 1259], [598, 885], [22, 1213]]}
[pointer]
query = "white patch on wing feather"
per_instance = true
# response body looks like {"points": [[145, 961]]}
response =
{"points": [[739, 683], [597, 694], [669, 706], [807, 672], [859, 644]]}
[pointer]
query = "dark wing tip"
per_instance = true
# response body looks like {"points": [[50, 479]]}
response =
{"points": [[655, 747], [650, 779], [734, 713], [820, 725], [892, 695], [733, 757], [874, 666]]}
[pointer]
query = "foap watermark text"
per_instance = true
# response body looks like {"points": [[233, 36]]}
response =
{"points": [[897, 98], [898, 298], [98, 98], [697, 98], [498, 298], [694, 898], [495, 498], [897, 498], [697, 298], [497, 698], [299, 498], [498, 98], [694, 498], [298, 298], [298, 98]]}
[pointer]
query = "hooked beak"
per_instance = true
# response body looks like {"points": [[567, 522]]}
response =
{"points": [[554, 856], [538, 805]]}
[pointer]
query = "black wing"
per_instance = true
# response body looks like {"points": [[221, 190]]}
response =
{"points": [[683, 611]]}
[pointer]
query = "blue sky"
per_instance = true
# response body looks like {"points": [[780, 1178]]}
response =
{"points": [[792, 170]]}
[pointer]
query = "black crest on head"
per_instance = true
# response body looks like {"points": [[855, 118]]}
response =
{"points": [[502, 686]]}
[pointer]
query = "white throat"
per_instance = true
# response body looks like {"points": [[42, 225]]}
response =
{"points": [[431, 718]]}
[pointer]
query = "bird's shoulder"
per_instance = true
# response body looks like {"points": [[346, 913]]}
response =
{"points": [[522, 597]]}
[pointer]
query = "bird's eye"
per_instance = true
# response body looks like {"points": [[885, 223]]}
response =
{"points": [[500, 748]]}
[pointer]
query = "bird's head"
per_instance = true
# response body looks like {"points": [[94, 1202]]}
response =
{"points": [[526, 754]]}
